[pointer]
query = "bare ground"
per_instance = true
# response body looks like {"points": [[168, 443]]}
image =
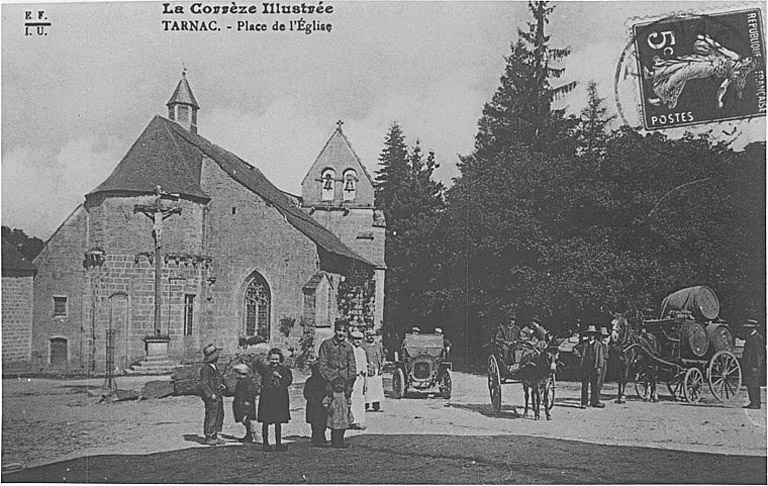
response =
{"points": [[415, 440]]}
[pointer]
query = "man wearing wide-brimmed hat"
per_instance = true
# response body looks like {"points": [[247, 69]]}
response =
{"points": [[592, 358], [210, 391], [752, 362]]}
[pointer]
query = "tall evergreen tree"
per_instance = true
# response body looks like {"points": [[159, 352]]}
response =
{"points": [[411, 200], [521, 109], [592, 129]]}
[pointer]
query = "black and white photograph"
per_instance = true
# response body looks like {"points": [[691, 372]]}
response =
{"points": [[383, 242]]}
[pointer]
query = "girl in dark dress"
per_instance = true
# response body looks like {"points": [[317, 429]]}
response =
{"points": [[244, 404], [314, 392], [273, 404]]}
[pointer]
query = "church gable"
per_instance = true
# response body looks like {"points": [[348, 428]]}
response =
{"points": [[338, 177]]}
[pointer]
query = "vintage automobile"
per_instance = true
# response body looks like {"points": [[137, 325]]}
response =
{"points": [[421, 365]]}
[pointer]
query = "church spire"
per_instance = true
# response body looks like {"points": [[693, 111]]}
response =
{"points": [[182, 107]]}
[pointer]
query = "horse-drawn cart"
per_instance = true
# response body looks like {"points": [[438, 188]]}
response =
{"points": [[500, 372], [692, 347]]}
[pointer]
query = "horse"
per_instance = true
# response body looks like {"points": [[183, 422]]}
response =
{"points": [[535, 374], [635, 350]]}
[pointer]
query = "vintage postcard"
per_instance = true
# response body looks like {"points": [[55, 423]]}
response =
{"points": [[383, 242]]}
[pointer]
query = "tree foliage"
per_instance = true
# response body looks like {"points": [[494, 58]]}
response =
{"points": [[520, 111], [412, 201], [28, 246]]}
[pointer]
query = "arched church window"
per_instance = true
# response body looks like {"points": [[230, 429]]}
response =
{"points": [[257, 307], [350, 185], [327, 181]]}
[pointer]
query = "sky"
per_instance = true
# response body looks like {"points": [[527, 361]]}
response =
{"points": [[75, 100]]}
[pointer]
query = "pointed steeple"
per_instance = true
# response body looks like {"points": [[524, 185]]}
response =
{"points": [[182, 107]]}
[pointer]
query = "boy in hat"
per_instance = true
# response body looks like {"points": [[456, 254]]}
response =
{"points": [[752, 361], [244, 404], [210, 391], [592, 357]]}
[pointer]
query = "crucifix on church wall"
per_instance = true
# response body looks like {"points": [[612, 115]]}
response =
{"points": [[157, 212]]}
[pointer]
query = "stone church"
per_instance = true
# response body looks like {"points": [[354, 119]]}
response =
{"points": [[186, 244]]}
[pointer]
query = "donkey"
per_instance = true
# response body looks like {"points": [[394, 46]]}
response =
{"points": [[635, 350], [534, 375]]}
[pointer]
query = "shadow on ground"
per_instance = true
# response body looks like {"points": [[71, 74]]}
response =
{"points": [[410, 459]]}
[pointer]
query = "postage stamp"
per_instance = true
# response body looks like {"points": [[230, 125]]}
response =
{"points": [[701, 68]]}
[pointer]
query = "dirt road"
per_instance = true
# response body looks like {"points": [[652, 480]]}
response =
{"points": [[49, 421]]}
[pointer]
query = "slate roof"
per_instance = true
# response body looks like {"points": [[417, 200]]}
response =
{"points": [[14, 261], [166, 154], [183, 93]]}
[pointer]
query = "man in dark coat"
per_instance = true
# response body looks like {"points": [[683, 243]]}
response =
{"points": [[752, 362], [592, 356], [336, 358], [210, 391], [507, 337]]}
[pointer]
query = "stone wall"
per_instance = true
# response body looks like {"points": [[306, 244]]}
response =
{"points": [[246, 235], [17, 322], [61, 273]]}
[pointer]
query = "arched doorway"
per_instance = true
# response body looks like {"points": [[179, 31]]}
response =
{"points": [[257, 302]]}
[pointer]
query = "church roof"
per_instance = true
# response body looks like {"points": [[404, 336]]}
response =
{"points": [[183, 93], [156, 159], [166, 154], [14, 261], [338, 152]]}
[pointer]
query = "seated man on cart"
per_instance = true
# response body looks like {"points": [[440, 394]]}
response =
{"points": [[506, 340]]}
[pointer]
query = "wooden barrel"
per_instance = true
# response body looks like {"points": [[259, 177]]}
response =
{"points": [[693, 339], [701, 302], [720, 337]]}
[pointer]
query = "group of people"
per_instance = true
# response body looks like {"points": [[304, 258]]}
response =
{"points": [[515, 345], [346, 382], [274, 405]]}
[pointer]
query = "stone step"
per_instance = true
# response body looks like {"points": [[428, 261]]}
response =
{"points": [[153, 365]]}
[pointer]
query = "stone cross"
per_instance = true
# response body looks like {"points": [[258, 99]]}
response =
{"points": [[158, 213]]}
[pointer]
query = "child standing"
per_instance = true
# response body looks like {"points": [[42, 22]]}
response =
{"points": [[273, 404], [244, 404], [339, 413], [314, 392]]}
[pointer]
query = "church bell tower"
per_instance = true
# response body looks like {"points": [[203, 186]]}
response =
{"points": [[182, 107]]}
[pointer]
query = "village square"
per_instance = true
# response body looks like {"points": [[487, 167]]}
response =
{"points": [[244, 277]]}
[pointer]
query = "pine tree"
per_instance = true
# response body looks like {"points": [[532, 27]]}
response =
{"points": [[521, 109], [411, 201], [591, 132]]}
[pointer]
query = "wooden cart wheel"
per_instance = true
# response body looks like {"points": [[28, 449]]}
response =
{"points": [[398, 384], [724, 375], [446, 384], [675, 386], [692, 385], [494, 383], [550, 391]]}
